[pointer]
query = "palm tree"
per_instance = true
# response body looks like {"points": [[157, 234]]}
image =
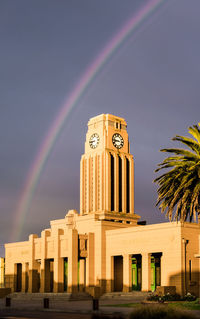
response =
{"points": [[179, 187]]}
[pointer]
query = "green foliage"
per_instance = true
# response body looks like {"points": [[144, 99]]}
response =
{"points": [[169, 297], [159, 312], [189, 305], [189, 297], [179, 187]]}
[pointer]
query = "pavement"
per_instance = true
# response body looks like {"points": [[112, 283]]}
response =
{"points": [[60, 307]]}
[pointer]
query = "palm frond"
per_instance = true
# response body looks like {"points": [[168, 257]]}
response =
{"points": [[179, 186]]}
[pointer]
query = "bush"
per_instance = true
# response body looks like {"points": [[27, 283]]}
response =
{"points": [[159, 312], [168, 297], [153, 297], [189, 297]]}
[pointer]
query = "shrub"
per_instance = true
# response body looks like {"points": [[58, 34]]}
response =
{"points": [[189, 297], [153, 297], [168, 297], [159, 312]]}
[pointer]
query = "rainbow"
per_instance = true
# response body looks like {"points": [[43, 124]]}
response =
{"points": [[52, 135]]}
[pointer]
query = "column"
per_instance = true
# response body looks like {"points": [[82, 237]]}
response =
{"points": [[146, 274], [94, 174], [43, 270], [87, 189], [82, 274], [73, 261], [32, 273], [164, 278], [23, 277], [131, 185], [90, 261], [82, 186], [116, 183], [126, 273], [58, 265], [123, 184], [15, 277], [110, 274]]}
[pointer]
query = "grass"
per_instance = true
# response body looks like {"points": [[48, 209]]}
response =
{"points": [[125, 305], [185, 305], [189, 305], [159, 312]]}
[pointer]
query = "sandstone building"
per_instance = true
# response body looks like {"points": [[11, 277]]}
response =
{"points": [[105, 248]]}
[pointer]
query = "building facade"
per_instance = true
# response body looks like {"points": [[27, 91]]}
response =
{"points": [[105, 247]]}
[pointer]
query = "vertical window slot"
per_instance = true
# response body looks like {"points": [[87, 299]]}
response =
{"points": [[112, 182], [127, 186], [120, 184]]}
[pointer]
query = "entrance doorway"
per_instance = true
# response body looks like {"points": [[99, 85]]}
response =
{"points": [[118, 273], [65, 273], [155, 270], [136, 272], [49, 265], [19, 278]]}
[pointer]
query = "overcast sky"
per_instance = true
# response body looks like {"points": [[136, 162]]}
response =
{"points": [[153, 81]]}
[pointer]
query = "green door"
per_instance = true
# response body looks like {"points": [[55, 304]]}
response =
{"points": [[153, 274], [136, 273], [65, 273], [157, 271]]}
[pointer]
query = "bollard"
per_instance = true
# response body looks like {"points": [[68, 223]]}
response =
{"points": [[8, 302], [95, 304], [46, 303]]}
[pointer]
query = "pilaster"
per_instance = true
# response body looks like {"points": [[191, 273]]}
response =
{"points": [[126, 273], [146, 274], [23, 277], [110, 274], [33, 270], [131, 165], [58, 265], [43, 270], [94, 183], [87, 189], [82, 186], [73, 261], [90, 261]]}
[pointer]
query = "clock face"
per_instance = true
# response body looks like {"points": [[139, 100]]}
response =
{"points": [[94, 140], [117, 140]]}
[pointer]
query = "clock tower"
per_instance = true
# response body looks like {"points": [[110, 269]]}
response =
{"points": [[107, 170]]}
